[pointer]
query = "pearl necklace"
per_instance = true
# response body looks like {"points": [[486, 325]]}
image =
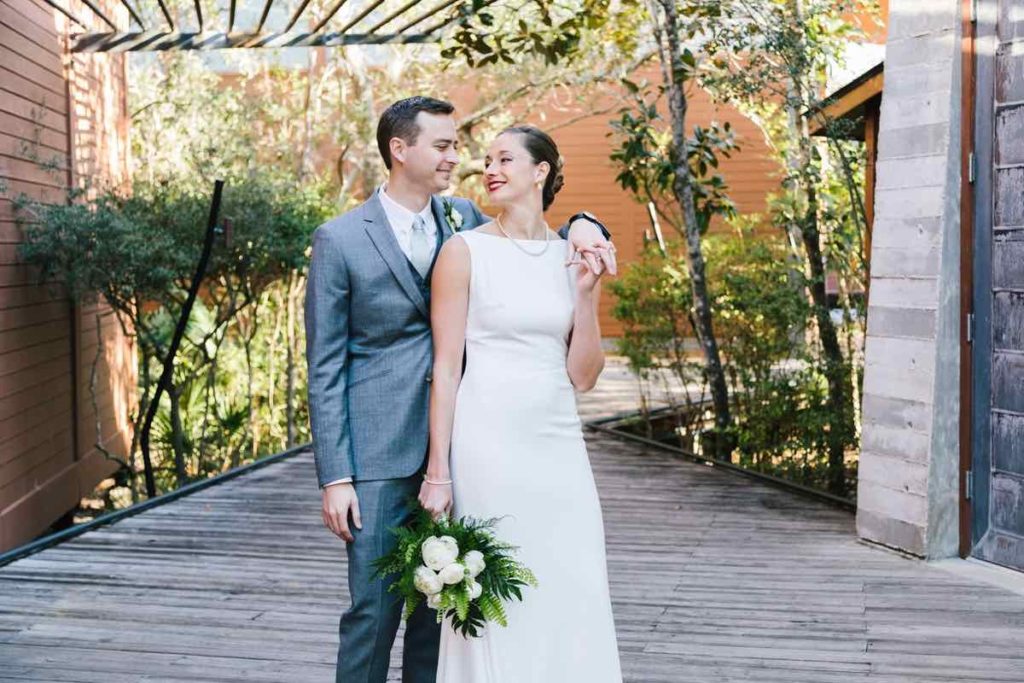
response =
{"points": [[547, 238]]}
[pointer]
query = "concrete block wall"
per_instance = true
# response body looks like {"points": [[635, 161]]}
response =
{"points": [[909, 478]]}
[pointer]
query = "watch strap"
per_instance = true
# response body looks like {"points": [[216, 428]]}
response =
{"points": [[587, 216]]}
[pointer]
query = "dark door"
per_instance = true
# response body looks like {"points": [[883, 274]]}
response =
{"points": [[998, 351]]}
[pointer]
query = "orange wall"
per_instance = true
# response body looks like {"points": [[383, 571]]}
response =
{"points": [[72, 111]]}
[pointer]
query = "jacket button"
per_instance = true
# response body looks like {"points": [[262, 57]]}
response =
{"points": [[430, 378]]}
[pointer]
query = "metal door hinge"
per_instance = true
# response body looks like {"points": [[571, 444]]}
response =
{"points": [[972, 167], [970, 328], [969, 485]]}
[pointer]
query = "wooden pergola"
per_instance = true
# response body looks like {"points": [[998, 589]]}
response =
{"points": [[403, 25]]}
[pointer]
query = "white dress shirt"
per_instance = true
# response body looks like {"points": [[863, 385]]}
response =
{"points": [[401, 219]]}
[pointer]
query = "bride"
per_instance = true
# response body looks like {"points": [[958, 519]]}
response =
{"points": [[505, 438]]}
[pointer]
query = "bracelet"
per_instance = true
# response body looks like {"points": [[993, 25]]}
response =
{"points": [[438, 483]]}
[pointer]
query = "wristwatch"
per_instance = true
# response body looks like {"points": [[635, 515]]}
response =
{"points": [[587, 216]]}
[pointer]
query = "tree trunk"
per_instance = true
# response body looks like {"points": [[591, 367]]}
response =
{"points": [[839, 394], [674, 72], [291, 295], [177, 435]]}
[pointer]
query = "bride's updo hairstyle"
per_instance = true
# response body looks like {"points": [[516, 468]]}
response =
{"points": [[541, 147]]}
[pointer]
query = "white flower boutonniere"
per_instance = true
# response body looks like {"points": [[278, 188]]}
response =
{"points": [[452, 215]]}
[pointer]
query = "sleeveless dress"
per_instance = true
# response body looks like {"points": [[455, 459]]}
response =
{"points": [[517, 452]]}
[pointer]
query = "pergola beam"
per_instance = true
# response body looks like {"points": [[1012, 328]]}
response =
{"points": [[441, 24], [134, 15], [175, 40], [167, 14], [98, 12], [162, 40], [430, 13], [369, 8], [67, 13], [295, 17], [330, 15], [394, 15], [263, 17]]}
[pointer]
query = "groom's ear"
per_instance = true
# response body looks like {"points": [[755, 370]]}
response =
{"points": [[397, 147]]}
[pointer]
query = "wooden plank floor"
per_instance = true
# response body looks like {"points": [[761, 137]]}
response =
{"points": [[715, 577]]}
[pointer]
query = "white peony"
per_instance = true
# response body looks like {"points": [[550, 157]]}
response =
{"points": [[451, 543], [474, 561], [475, 589], [434, 601], [427, 581], [453, 573], [439, 552]]}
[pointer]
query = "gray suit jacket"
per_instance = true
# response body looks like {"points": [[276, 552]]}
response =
{"points": [[368, 346]]}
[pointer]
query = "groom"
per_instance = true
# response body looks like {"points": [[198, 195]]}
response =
{"points": [[369, 353]]}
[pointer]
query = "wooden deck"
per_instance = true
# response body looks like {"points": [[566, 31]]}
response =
{"points": [[715, 577]]}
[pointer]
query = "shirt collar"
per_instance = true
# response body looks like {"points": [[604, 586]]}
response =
{"points": [[404, 215]]}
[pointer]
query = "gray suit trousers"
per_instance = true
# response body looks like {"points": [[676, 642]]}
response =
{"points": [[367, 630]]}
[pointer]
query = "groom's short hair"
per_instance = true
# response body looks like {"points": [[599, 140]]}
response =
{"points": [[399, 121]]}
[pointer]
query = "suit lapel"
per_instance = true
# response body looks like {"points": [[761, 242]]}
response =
{"points": [[383, 237], [437, 205]]}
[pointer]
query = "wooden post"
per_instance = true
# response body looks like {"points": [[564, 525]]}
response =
{"points": [[872, 115], [967, 103]]}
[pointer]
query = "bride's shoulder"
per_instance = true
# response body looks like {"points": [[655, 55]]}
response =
{"points": [[453, 261]]}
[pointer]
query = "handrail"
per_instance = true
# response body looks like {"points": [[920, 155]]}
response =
{"points": [[846, 503]]}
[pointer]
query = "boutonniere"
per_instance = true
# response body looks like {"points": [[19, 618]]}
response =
{"points": [[451, 214]]}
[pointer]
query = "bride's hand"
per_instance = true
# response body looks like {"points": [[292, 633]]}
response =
{"points": [[436, 498], [586, 278]]}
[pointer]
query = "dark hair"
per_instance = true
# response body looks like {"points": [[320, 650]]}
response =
{"points": [[399, 121], [541, 147]]}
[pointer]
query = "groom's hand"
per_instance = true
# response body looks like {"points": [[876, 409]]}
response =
{"points": [[338, 500], [591, 246]]}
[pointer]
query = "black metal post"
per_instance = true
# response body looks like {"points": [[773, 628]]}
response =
{"points": [[179, 332]]}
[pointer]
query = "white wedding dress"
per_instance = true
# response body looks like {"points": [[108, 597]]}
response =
{"points": [[518, 453]]}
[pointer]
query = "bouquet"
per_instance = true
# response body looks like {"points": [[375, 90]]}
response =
{"points": [[458, 568]]}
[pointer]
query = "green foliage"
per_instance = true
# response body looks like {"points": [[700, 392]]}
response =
{"points": [[551, 29], [139, 252], [644, 158], [777, 383], [502, 579]]}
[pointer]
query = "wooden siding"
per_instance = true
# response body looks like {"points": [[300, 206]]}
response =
{"points": [[1003, 287], [71, 112]]}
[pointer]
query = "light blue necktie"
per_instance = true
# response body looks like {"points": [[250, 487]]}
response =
{"points": [[421, 249]]}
